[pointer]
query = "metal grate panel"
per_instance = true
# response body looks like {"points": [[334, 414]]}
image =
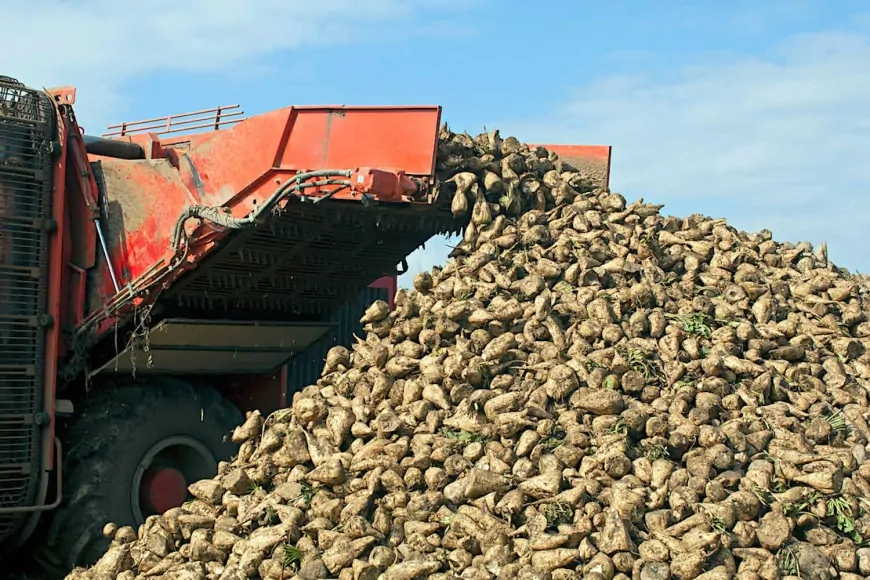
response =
{"points": [[307, 261], [26, 132], [305, 368]]}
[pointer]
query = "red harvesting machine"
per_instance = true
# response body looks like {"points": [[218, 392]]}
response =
{"points": [[157, 282]]}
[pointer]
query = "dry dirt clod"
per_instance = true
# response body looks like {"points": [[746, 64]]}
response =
{"points": [[588, 389]]}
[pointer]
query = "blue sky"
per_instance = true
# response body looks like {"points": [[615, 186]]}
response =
{"points": [[754, 111]]}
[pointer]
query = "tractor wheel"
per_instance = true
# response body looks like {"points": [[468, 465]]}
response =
{"points": [[131, 452]]}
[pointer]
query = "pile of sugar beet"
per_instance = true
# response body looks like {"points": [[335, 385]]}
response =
{"points": [[587, 389]]}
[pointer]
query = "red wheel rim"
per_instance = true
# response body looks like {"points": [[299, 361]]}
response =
{"points": [[164, 474], [162, 489]]}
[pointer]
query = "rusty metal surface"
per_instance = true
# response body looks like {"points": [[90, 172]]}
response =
{"points": [[26, 131], [239, 169]]}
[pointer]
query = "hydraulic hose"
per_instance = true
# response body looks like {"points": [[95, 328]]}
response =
{"points": [[113, 148], [218, 215]]}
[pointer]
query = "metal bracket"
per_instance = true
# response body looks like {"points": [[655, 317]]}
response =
{"points": [[63, 408], [24, 509], [63, 95]]}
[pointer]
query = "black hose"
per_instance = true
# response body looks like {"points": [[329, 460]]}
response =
{"points": [[295, 184], [113, 148]]}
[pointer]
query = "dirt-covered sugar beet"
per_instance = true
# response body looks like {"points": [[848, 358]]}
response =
{"points": [[588, 389]]}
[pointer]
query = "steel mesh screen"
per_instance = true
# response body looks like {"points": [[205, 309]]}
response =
{"points": [[26, 131]]}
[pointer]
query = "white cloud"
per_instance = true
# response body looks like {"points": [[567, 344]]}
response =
{"points": [[776, 141], [98, 45]]}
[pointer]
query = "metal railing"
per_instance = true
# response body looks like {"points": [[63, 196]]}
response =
{"points": [[214, 119]]}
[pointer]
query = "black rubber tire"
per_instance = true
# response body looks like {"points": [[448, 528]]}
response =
{"points": [[104, 443]]}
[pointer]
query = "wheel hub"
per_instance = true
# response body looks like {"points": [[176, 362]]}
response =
{"points": [[164, 472], [162, 489]]}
